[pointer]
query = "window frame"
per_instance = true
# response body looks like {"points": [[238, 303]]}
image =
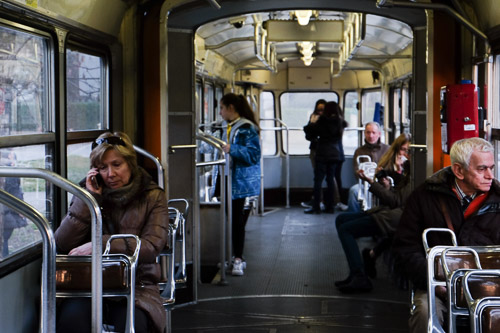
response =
{"points": [[96, 51], [291, 128], [276, 151], [48, 138]]}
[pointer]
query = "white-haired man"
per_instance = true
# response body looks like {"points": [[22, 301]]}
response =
{"points": [[469, 195], [373, 148]]}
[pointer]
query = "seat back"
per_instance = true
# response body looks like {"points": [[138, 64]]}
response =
{"points": [[434, 280], [74, 275], [369, 168], [457, 262], [482, 292]]}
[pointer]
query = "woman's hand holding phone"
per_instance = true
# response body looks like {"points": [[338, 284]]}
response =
{"points": [[94, 181]]}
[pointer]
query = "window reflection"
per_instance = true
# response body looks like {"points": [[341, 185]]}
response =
{"points": [[19, 233], [24, 78], [85, 92]]}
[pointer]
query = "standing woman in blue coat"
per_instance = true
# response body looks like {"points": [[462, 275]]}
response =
{"points": [[243, 145]]}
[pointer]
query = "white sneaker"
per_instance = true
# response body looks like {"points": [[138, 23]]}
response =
{"points": [[244, 263], [238, 267], [308, 204], [342, 206]]}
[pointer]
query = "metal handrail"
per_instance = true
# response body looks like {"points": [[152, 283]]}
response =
{"points": [[287, 161], [48, 283], [180, 274], [156, 160], [48, 268], [225, 227]]}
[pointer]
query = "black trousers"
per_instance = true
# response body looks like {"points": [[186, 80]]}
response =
{"points": [[75, 315], [240, 218]]}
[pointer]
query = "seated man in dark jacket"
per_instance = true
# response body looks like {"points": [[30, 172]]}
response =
{"points": [[469, 193]]}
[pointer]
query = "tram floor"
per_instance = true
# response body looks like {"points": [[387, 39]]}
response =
{"points": [[293, 260]]}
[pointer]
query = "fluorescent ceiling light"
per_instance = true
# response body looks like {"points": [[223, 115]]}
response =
{"points": [[303, 16]]}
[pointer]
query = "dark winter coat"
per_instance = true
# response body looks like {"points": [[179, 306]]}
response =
{"points": [[12, 219], [139, 208], [422, 211], [328, 133]]}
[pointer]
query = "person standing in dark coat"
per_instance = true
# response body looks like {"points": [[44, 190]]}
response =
{"points": [[318, 111], [466, 192], [328, 129], [11, 219]]}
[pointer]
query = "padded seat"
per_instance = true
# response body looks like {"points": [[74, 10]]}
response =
{"points": [[491, 320], [74, 274]]}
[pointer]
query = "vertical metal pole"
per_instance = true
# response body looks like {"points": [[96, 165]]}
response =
{"points": [[287, 158], [229, 228], [261, 179], [222, 248]]}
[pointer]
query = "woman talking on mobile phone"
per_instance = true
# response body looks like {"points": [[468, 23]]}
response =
{"points": [[131, 203]]}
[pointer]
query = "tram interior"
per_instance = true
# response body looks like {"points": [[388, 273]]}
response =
{"points": [[370, 59]]}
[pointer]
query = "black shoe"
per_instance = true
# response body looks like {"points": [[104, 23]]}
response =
{"points": [[369, 262], [312, 211], [329, 210], [344, 282], [360, 283]]}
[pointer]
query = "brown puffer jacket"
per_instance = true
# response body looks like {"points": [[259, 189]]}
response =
{"points": [[388, 213], [139, 208], [423, 210]]}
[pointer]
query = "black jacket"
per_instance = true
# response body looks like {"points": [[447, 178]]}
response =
{"points": [[423, 210], [328, 132]]}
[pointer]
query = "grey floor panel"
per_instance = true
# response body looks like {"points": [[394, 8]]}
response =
{"points": [[293, 260]]}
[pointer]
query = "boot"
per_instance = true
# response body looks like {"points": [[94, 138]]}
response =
{"points": [[341, 283], [360, 283], [369, 262]]}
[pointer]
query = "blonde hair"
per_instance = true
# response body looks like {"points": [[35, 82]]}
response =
{"points": [[123, 146], [388, 160]]}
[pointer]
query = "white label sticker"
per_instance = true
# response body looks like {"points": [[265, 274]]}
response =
{"points": [[470, 127]]}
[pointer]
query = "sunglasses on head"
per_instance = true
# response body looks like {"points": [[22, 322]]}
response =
{"points": [[110, 140]]}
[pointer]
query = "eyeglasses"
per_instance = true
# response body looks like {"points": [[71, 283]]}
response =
{"points": [[110, 140]]}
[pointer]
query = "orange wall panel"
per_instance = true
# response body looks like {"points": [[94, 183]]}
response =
{"points": [[445, 69]]}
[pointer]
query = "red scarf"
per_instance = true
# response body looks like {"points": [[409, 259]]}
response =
{"points": [[475, 204]]}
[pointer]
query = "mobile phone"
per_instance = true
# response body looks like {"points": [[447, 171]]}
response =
{"points": [[96, 181]]}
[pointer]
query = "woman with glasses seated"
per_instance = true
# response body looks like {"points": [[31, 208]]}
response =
{"points": [[393, 161], [131, 203], [380, 221]]}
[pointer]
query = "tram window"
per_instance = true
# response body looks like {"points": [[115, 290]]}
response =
{"points": [[296, 107], [267, 112], [208, 104], [21, 233], [199, 101], [369, 98], [24, 83], [219, 92], [396, 111], [350, 139], [405, 109], [78, 161], [85, 91]]}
